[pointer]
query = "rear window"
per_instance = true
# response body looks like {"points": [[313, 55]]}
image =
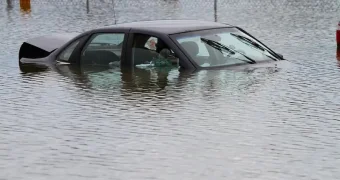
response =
{"points": [[66, 54]]}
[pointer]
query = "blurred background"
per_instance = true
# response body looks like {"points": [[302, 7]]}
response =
{"points": [[162, 124]]}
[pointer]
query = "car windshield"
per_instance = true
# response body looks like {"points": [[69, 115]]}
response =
{"points": [[220, 47]]}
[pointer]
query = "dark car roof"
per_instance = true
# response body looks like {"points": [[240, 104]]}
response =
{"points": [[171, 26]]}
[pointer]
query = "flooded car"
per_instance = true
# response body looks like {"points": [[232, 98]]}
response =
{"points": [[186, 44]]}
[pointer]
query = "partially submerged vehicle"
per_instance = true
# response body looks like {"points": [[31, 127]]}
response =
{"points": [[188, 44]]}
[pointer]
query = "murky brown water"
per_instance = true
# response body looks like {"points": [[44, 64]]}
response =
{"points": [[91, 124]]}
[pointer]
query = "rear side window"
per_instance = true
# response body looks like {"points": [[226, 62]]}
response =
{"points": [[103, 49], [66, 54]]}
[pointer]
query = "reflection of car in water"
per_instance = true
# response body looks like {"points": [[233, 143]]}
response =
{"points": [[151, 79], [127, 79], [186, 44]]}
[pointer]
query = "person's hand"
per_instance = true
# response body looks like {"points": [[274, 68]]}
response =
{"points": [[165, 53]]}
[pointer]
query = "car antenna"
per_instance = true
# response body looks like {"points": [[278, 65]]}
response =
{"points": [[114, 12], [215, 10]]}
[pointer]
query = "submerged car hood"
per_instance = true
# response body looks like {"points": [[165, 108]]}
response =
{"points": [[282, 64]]}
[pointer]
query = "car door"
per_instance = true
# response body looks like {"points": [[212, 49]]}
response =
{"points": [[104, 48], [152, 49]]}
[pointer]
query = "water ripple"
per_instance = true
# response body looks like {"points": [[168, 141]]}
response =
{"points": [[261, 124]]}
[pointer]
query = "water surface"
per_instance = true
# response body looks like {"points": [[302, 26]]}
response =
{"points": [[151, 124]]}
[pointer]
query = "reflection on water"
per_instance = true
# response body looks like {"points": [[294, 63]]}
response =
{"points": [[96, 123], [128, 81], [136, 79], [25, 6], [9, 4]]}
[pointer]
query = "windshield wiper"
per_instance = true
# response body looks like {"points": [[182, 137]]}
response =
{"points": [[253, 44], [221, 47]]}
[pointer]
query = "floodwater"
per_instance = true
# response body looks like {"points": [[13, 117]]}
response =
{"points": [[148, 124]]}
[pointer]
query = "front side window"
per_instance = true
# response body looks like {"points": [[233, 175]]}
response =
{"points": [[103, 49], [152, 51], [220, 47], [66, 54]]}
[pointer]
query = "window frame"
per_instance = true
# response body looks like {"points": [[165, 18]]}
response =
{"points": [[184, 62], [95, 34], [149, 49], [142, 34], [58, 59], [75, 52], [176, 35]]}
